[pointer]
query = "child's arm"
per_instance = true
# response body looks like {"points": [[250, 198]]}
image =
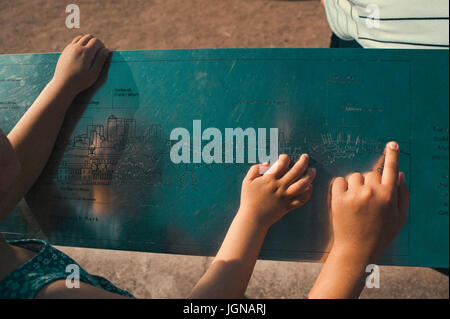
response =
{"points": [[367, 212], [34, 135], [264, 200]]}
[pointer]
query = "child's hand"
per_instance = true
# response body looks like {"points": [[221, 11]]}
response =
{"points": [[80, 64], [369, 210], [264, 200], [267, 198]]}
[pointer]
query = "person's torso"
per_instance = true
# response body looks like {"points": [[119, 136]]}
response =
{"points": [[47, 265], [412, 24]]}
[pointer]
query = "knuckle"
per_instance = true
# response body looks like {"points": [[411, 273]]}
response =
{"points": [[306, 186], [338, 180], [271, 183], [386, 197], [78, 49], [295, 191], [279, 193], [334, 182], [283, 186], [356, 175], [270, 178], [352, 176], [372, 174], [254, 166], [308, 191], [366, 192], [390, 164], [277, 187], [339, 201], [251, 170]]}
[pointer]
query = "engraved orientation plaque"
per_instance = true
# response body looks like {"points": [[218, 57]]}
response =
{"points": [[110, 182]]}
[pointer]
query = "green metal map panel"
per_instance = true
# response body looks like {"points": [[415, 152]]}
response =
{"points": [[110, 182]]}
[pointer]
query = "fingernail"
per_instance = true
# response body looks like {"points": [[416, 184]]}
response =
{"points": [[313, 170], [393, 146]]}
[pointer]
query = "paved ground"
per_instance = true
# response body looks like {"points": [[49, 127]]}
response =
{"points": [[39, 26], [149, 275]]}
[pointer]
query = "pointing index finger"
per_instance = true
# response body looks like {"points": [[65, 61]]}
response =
{"points": [[390, 171]]}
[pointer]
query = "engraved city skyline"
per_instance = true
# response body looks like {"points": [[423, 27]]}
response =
{"points": [[114, 151]]}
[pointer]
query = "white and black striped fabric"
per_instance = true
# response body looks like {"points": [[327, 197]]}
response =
{"points": [[410, 24]]}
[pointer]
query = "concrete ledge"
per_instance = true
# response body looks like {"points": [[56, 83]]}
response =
{"points": [[148, 275]]}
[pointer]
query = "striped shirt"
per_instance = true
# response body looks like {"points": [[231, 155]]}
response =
{"points": [[410, 24]]}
